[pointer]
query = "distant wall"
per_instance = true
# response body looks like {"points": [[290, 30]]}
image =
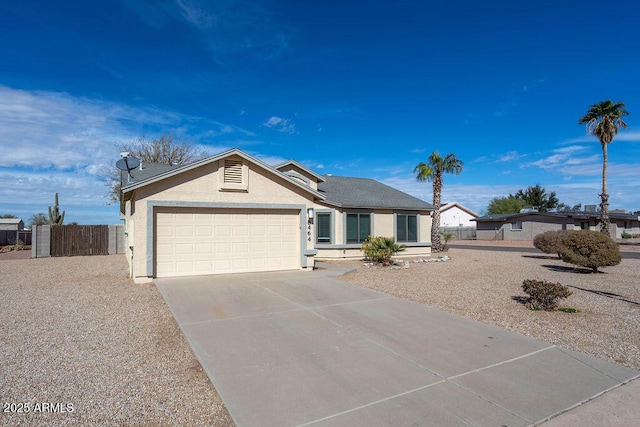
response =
{"points": [[41, 240]]}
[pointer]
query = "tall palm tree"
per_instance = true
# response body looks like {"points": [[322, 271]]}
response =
{"points": [[603, 120], [432, 171]]}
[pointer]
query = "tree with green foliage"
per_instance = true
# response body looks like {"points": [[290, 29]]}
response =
{"points": [[433, 170], [537, 197], [164, 150], [603, 120], [54, 213], [38, 219], [505, 205], [8, 216], [533, 196]]}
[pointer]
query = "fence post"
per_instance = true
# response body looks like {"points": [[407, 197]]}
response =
{"points": [[34, 241]]}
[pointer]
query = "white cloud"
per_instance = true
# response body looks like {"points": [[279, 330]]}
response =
{"points": [[54, 142], [510, 156], [628, 136], [280, 124]]}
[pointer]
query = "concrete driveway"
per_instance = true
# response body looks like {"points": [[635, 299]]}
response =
{"points": [[304, 348]]}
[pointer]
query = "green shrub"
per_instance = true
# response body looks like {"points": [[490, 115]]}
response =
{"points": [[549, 242], [590, 249], [381, 249], [446, 236], [544, 295], [626, 235]]}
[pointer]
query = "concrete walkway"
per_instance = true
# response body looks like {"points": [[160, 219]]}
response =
{"points": [[302, 348]]}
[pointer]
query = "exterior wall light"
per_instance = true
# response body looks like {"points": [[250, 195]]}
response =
{"points": [[310, 214]]}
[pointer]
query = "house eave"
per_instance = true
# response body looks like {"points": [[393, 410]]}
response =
{"points": [[217, 157]]}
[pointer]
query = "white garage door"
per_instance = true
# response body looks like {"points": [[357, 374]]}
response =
{"points": [[217, 241]]}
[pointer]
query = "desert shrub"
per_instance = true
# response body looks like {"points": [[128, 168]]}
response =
{"points": [[549, 242], [446, 236], [381, 249], [590, 249], [626, 235], [544, 295]]}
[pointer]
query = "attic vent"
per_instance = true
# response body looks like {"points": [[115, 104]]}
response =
{"points": [[232, 171]]}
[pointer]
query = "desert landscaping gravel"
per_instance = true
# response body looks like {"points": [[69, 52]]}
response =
{"points": [[481, 285], [77, 335]]}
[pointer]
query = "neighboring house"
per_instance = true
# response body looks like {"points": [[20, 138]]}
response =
{"points": [[525, 226], [9, 228], [233, 213], [455, 215]]}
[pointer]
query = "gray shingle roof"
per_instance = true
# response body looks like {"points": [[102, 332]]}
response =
{"points": [[367, 193], [148, 170]]}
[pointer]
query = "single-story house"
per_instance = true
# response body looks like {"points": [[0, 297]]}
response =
{"points": [[526, 225], [456, 215], [233, 213], [9, 228]]}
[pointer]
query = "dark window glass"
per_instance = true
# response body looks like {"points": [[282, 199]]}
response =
{"points": [[323, 227], [358, 227], [406, 228]]}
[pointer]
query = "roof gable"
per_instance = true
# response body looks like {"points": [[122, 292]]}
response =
{"points": [[297, 167], [10, 220], [146, 178], [351, 192], [459, 206]]}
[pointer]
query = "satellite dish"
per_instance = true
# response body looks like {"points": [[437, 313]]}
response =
{"points": [[127, 164]]}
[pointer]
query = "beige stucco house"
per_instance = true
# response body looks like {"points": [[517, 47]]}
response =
{"points": [[233, 213]]}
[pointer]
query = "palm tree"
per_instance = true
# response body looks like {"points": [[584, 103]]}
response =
{"points": [[603, 120], [432, 171]]}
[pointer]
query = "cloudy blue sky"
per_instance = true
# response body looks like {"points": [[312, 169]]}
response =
{"points": [[358, 88]]}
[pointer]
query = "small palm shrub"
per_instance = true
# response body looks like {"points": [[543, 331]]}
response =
{"points": [[626, 235], [381, 249], [549, 242], [544, 295], [590, 249], [446, 236]]}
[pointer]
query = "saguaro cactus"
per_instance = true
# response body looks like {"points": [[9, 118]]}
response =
{"points": [[54, 214]]}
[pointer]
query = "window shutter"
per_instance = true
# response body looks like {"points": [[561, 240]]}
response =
{"points": [[232, 171]]}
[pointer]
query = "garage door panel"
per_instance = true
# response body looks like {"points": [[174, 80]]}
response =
{"points": [[239, 230], [183, 231], [214, 241], [204, 249], [240, 248], [222, 230], [184, 267], [184, 248], [204, 230]]}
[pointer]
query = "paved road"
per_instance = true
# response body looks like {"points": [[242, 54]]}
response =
{"points": [[304, 348], [625, 254]]}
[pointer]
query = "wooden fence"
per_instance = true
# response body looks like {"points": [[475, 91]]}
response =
{"points": [[70, 240]]}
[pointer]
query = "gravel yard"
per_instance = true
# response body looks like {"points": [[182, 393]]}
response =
{"points": [[480, 285], [77, 332]]}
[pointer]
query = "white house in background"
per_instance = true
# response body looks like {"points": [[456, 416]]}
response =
{"points": [[455, 215]]}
